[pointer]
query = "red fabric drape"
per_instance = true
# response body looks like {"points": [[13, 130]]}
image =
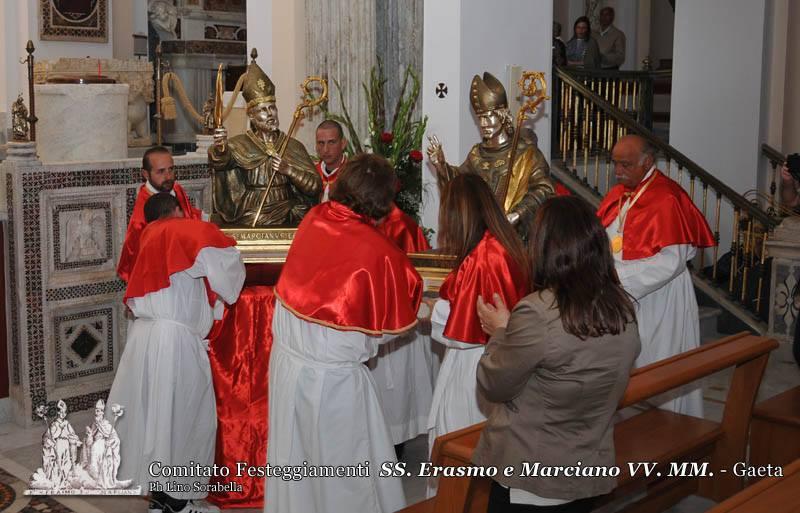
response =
{"points": [[239, 353]]}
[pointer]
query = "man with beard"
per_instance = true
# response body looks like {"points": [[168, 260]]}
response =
{"points": [[158, 170]]}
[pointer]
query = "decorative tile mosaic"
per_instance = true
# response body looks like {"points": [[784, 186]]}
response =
{"points": [[81, 226], [84, 344], [34, 180], [11, 259], [88, 289]]}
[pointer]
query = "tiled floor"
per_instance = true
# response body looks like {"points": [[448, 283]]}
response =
{"points": [[20, 449]]}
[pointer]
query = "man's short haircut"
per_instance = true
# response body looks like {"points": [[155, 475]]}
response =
{"points": [[146, 158], [160, 205], [608, 8], [366, 185], [329, 123]]}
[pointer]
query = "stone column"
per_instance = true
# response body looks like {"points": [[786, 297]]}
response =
{"points": [[399, 44], [341, 44]]}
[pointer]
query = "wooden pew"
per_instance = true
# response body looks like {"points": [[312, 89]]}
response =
{"points": [[770, 495], [775, 431], [652, 436]]}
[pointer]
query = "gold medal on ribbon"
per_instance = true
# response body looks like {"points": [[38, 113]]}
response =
{"points": [[616, 244]]}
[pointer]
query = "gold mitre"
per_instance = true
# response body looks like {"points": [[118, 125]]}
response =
{"points": [[257, 87], [487, 94]]}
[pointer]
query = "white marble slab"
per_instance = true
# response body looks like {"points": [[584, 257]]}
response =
{"points": [[81, 122]]}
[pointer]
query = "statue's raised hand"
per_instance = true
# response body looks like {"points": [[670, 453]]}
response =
{"points": [[220, 138], [434, 151]]}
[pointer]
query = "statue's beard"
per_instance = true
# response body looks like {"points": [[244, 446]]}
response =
{"points": [[266, 126]]}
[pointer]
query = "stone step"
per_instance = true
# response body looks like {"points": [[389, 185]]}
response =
{"points": [[708, 323]]}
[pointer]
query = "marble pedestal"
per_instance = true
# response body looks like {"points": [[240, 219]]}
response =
{"points": [[85, 122], [784, 249], [204, 142]]}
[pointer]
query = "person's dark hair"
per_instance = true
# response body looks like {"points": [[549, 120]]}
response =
{"points": [[146, 157], [329, 123], [571, 256], [467, 209], [366, 185], [583, 19], [160, 205], [608, 8]]}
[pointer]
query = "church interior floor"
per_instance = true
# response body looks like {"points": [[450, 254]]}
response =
{"points": [[20, 449]]}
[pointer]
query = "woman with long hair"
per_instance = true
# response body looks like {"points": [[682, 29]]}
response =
{"points": [[490, 259], [557, 365], [582, 49]]}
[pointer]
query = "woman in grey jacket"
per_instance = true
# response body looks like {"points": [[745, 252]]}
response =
{"points": [[559, 363]]}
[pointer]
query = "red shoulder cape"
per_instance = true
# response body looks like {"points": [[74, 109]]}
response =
{"points": [[135, 226], [663, 216], [342, 273], [169, 246], [488, 269], [401, 229]]}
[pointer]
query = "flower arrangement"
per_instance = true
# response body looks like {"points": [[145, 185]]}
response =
{"points": [[399, 142]]}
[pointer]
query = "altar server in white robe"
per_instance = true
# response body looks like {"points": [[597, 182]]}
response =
{"points": [[403, 368], [184, 269], [344, 290], [490, 260], [655, 228]]}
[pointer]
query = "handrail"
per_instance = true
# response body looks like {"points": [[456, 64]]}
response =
{"points": [[613, 73], [683, 161], [773, 154]]}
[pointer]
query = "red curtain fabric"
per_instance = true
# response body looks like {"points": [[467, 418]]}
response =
{"points": [[239, 352]]}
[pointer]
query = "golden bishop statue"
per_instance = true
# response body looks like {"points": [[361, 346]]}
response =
{"points": [[246, 194], [529, 184]]}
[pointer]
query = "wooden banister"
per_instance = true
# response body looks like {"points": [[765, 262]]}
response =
{"points": [[773, 495], [695, 439], [670, 373]]}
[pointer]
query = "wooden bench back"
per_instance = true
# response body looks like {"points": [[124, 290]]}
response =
{"points": [[747, 353], [770, 495]]}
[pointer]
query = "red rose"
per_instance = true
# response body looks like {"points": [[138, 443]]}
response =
{"points": [[387, 137], [415, 155]]}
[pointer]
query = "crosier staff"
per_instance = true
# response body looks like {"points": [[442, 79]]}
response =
{"points": [[308, 102], [533, 86]]}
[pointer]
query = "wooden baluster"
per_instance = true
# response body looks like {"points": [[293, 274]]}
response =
{"points": [[747, 258], [597, 153], [705, 216], [560, 127], [761, 272], [691, 188], [586, 134], [575, 133], [609, 144], [680, 175], [565, 132], [716, 236], [627, 86], [635, 103], [613, 93], [669, 165], [734, 249]]}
